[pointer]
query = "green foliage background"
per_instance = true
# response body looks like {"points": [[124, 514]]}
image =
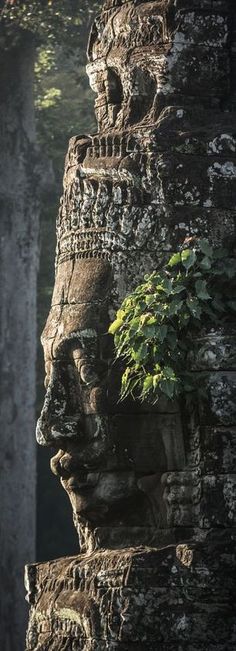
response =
{"points": [[52, 20]]}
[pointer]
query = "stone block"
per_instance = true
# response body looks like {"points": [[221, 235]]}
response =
{"points": [[135, 599], [218, 450]]}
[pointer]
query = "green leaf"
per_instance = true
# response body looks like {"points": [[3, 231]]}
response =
{"points": [[201, 290], [160, 309], [156, 380], [148, 383], [121, 340], [172, 340], [185, 254], [178, 289], [174, 260], [169, 373], [165, 286], [188, 258], [168, 388], [125, 376], [149, 299], [194, 307], [184, 319], [162, 332], [152, 321], [134, 323], [206, 248], [156, 355], [141, 354], [175, 307], [116, 325], [205, 264], [149, 331], [144, 318], [120, 314]]}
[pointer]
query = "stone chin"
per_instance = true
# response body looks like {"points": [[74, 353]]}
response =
{"points": [[101, 493], [106, 500]]}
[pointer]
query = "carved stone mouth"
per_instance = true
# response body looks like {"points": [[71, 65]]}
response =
{"points": [[68, 468], [83, 482], [113, 145]]}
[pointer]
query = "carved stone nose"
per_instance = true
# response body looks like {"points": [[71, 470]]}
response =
{"points": [[55, 434], [54, 424]]}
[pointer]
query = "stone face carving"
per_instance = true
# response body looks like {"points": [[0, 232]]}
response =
{"points": [[162, 167]]}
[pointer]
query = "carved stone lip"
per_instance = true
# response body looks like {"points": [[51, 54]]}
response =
{"points": [[83, 479]]}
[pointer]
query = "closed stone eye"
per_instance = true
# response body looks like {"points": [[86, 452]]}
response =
{"points": [[85, 368]]}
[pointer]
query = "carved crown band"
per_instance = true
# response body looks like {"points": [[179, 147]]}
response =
{"points": [[91, 242]]}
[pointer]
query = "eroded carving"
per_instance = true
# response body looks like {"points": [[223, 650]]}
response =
{"points": [[161, 167]]}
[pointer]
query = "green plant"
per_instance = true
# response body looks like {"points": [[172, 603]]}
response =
{"points": [[64, 102], [154, 328], [48, 20]]}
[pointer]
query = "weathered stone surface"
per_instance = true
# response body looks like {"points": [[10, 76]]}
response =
{"points": [[218, 446], [122, 597], [161, 168]]}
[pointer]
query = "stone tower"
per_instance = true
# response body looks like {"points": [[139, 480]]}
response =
{"points": [[152, 488]]}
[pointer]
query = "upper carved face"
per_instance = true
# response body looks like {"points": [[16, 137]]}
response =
{"points": [[146, 55]]}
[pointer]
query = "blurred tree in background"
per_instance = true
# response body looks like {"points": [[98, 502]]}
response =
{"points": [[57, 31], [44, 99], [64, 107]]}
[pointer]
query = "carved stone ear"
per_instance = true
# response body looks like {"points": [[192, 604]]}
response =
{"points": [[141, 95], [114, 87], [114, 94]]}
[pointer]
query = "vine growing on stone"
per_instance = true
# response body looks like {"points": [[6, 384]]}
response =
{"points": [[155, 326]]}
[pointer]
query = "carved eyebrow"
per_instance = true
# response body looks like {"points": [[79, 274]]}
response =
{"points": [[58, 326], [82, 339]]}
